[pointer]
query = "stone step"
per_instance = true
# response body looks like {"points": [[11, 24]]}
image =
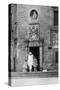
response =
{"points": [[35, 74]]}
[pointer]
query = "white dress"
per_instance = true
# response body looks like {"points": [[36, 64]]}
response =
{"points": [[30, 61]]}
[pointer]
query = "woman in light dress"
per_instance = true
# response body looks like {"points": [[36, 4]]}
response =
{"points": [[30, 61]]}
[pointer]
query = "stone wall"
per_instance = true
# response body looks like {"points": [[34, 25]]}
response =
{"points": [[13, 29], [45, 19]]}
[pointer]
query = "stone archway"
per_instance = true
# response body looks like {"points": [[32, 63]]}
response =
{"points": [[37, 50]]}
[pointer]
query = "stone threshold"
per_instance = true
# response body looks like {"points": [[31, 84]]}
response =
{"points": [[35, 74]]}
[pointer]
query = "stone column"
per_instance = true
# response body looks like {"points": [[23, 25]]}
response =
{"points": [[40, 56]]}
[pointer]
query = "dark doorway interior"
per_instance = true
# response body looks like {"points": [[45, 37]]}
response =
{"points": [[56, 56], [35, 52]]}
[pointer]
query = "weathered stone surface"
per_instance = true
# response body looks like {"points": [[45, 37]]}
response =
{"points": [[22, 17]]}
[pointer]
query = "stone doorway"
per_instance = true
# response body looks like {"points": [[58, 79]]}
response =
{"points": [[35, 52]]}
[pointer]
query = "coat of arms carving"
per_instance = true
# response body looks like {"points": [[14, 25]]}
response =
{"points": [[33, 31]]}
